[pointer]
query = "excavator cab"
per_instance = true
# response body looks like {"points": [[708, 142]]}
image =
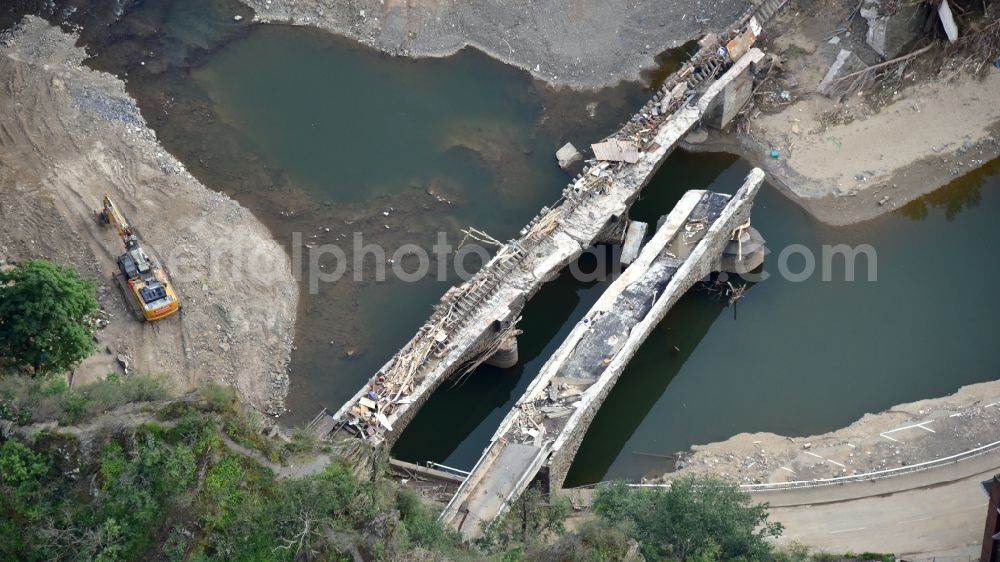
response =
{"points": [[146, 288]]}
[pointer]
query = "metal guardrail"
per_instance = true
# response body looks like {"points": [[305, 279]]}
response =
{"points": [[449, 469], [876, 475], [863, 477]]}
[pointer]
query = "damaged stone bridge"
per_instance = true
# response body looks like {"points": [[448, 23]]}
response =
{"points": [[477, 320], [539, 437]]}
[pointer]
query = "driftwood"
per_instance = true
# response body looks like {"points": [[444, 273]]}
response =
{"points": [[896, 60]]}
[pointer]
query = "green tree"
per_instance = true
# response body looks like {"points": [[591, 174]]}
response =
{"points": [[697, 518], [44, 312], [530, 518]]}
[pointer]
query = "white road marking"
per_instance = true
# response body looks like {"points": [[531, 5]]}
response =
{"points": [[911, 426], [890, 438], [825, 459], [788, 469], [847, 530], [991, 405], [852, 446], [915, 520], [955, 415]]}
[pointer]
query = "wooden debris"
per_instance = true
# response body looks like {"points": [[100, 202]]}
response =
{"points": [[741, 44]]}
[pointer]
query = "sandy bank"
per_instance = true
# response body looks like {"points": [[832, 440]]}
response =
{"points": [[577, 43], [67, 135], [878, 149], [904, 435]]}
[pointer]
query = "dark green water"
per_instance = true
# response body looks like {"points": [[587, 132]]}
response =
{"points": [[312, 132], [322, 137], [799, 358], [795, 358]]}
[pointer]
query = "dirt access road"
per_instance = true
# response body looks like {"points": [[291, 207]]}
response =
{"points": [[937, 513], [69, 134]]}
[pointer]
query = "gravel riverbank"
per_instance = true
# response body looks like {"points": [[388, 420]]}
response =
{"points": [[576, 43]]}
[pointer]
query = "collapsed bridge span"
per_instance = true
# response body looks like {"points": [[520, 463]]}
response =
{"points": [[477, 319], [542, 432]]}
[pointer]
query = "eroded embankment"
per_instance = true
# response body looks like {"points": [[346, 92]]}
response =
{"points": [[69, 134], [563, 42], [904, 435]]}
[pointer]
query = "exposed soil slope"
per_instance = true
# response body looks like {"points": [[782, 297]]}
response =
{"points": [[69, 134]]}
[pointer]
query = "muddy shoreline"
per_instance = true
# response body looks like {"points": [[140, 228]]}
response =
{"points": [[860, 189], [582, 45]]}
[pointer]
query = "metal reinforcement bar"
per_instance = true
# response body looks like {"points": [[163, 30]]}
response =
{"points": [[471, 317], [547, 424]]}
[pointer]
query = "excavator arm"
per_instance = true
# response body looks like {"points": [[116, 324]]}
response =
{"points": [[115, 218]]}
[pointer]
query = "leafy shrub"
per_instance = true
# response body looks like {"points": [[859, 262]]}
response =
{"points": [[697, 518], [594, 542], [419, 525], [302, 442], [530, 518], [27, 400]]}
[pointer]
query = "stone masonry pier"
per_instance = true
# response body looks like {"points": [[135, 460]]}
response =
{"points": [[479, 317], [541, 434]]}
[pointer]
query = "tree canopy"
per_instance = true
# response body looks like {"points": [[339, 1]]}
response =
{"points": [[44, 312], [697, 518]]}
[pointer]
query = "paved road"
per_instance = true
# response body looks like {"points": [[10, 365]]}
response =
{"points": [[910, 516]]}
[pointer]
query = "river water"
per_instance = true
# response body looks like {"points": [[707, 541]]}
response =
{"points": [[323, 138]]}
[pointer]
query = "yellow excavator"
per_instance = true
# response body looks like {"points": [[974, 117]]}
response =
{"points": [[144, 285]]}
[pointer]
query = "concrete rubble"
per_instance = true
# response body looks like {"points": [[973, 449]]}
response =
{"points": [[634, 237], [892, 25], [567, 155], [834, 83]]}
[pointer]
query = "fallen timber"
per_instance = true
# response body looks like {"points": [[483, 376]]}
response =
{"points": [[475, 319], [542, 432]]}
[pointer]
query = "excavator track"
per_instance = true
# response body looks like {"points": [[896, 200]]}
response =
{"points": [[126, 292]]}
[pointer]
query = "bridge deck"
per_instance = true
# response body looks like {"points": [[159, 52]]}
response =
{"points": [[473, 317], [549, 420]]}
